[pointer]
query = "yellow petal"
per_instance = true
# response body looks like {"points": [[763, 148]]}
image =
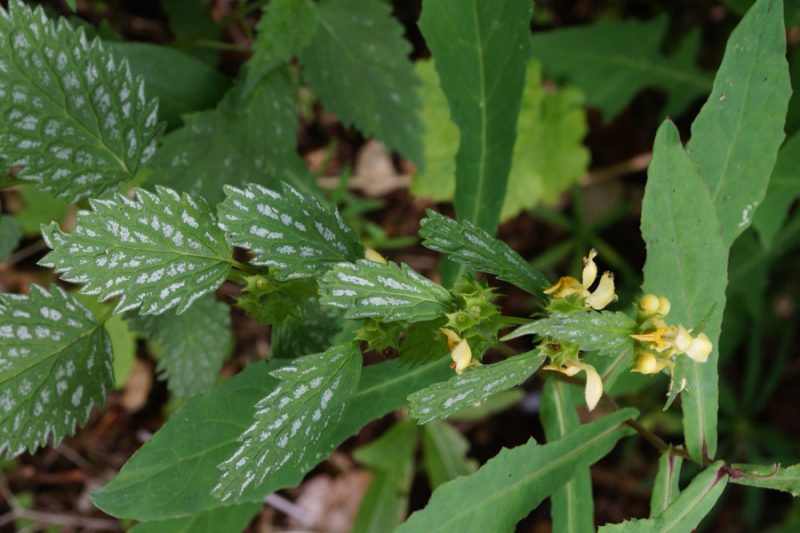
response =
{"points": [[375, 257], [564, 287], [649, 304], [594, 386], [462, 356], [646, 364], [589, 269], [452, 337], [700, 348], [683, 340], [604, 293]]}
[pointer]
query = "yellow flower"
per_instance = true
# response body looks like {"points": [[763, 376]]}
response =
{"points": [[375, 257], [460, 351], [700, 348], [602, 295], [594, 384]]}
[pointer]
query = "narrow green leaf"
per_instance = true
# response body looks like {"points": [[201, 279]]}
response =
{"points": [[445, 453], [481, 50], [285, 29], [156, 252], [607, 332], [473, 247], [775, 477], [688, 509], [665, 487], [571, 506], [307, 403], [194, 344], [153, 483], [358, 65], [243, 140], [391, 459], [10, 235], [737, 134], [181, 83], [74, 118], [613, 60], [686, 262], [506, 488], [233, 518], [123, 340], [392, 292], [55, 365], [783, 190], [287, 230], [440, 400]]}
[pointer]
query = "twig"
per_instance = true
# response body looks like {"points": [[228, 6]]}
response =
{"points": [[635, 164], [24, 253], [289, 509]]}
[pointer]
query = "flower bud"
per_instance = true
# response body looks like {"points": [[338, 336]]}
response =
{"points": [[462, 356], [663, 306], [604, 293], [375, 257], [649, 304], [589, 269]]}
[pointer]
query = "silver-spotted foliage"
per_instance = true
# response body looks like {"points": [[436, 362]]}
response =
{"points": [[154, 253], [75, 120], [55, 365]]}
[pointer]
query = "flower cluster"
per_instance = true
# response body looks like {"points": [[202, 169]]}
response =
{"points": [[659, 343], [599, 298], [565, 359]]}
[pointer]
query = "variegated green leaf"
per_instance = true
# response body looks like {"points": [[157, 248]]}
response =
{"points": [[156, 252], [288, 230], [392, 292], [606, 332], [193, 344], [466, 243], [74, 118], [309, 400], [55, 365], [440, 400]]}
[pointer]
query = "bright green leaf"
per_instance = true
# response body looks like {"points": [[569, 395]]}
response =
{"points": [[55, 365], [481, 50], [157, 252], [391, 459], [75, 119], [737, 134], [783, 190], [285, 29], [612, 60], [665, 487], [515, 481], [473, 247], [440, 400], [392, 292], [40, 208], [445, 453], [686, 262], [288, 230], [607, 332], [437, 180], [571, 506], [245, 139], [181, 83], [307, 404], [688, 509], [233, 518], [194, 344], [775, 477], [358, 66]]}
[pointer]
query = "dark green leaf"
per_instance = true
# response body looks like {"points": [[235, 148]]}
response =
{"points": [[445, 452], [10, 235], [775, 477], [783, 190], [358, 65], [233, 518], [515, 481]]}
